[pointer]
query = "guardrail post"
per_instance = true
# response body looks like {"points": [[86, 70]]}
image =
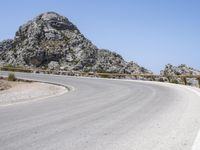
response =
{"points": [[153, 78], [136, 77], [198, 81], [169, 79], [184, 80]]}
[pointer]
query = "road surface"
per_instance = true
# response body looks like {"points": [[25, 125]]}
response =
{"points": [[100, 114]]}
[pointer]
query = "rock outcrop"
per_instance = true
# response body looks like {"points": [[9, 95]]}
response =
{"points": [[114, 63], [179, 70], [52, 41], [171, 70]]}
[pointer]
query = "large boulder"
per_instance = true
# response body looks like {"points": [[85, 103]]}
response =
{"points": [[53, 65]]}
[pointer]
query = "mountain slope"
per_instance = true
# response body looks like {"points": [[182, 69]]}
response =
{"points": [[52, 41]]}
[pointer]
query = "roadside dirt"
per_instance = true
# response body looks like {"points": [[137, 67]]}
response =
{"points": [[14, 92], [4, 85]]}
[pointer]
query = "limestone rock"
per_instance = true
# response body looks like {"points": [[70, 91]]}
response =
{"points": [[51, 39], [179, 70], [183, 69], [53, 65]]}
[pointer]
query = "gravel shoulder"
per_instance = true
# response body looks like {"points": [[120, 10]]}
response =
{"points": [[15, 92]]}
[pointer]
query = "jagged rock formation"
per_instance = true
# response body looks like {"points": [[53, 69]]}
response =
{"points": [[5, 45], [52, 41]]}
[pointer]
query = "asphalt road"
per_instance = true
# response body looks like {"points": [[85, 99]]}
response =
{"points": [[100, 114]]}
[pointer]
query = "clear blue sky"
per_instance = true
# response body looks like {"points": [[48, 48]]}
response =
{"points": [[149, 32]]}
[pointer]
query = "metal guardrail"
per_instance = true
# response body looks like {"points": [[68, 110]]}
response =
{"points": [[151, 77]]}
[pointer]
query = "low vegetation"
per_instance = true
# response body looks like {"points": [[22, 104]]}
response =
{"points": [[11, 77], [175, 81]]}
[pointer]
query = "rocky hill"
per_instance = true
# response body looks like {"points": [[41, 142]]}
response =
{"points": [[179, 70], [171, 70], [52, 41]]}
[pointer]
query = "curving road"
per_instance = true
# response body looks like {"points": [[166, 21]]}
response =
{"points": [[102, 114]]}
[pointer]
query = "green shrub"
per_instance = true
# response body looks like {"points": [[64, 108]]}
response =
{"points": [[175, 81], [11, 77], [161, 80]]}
